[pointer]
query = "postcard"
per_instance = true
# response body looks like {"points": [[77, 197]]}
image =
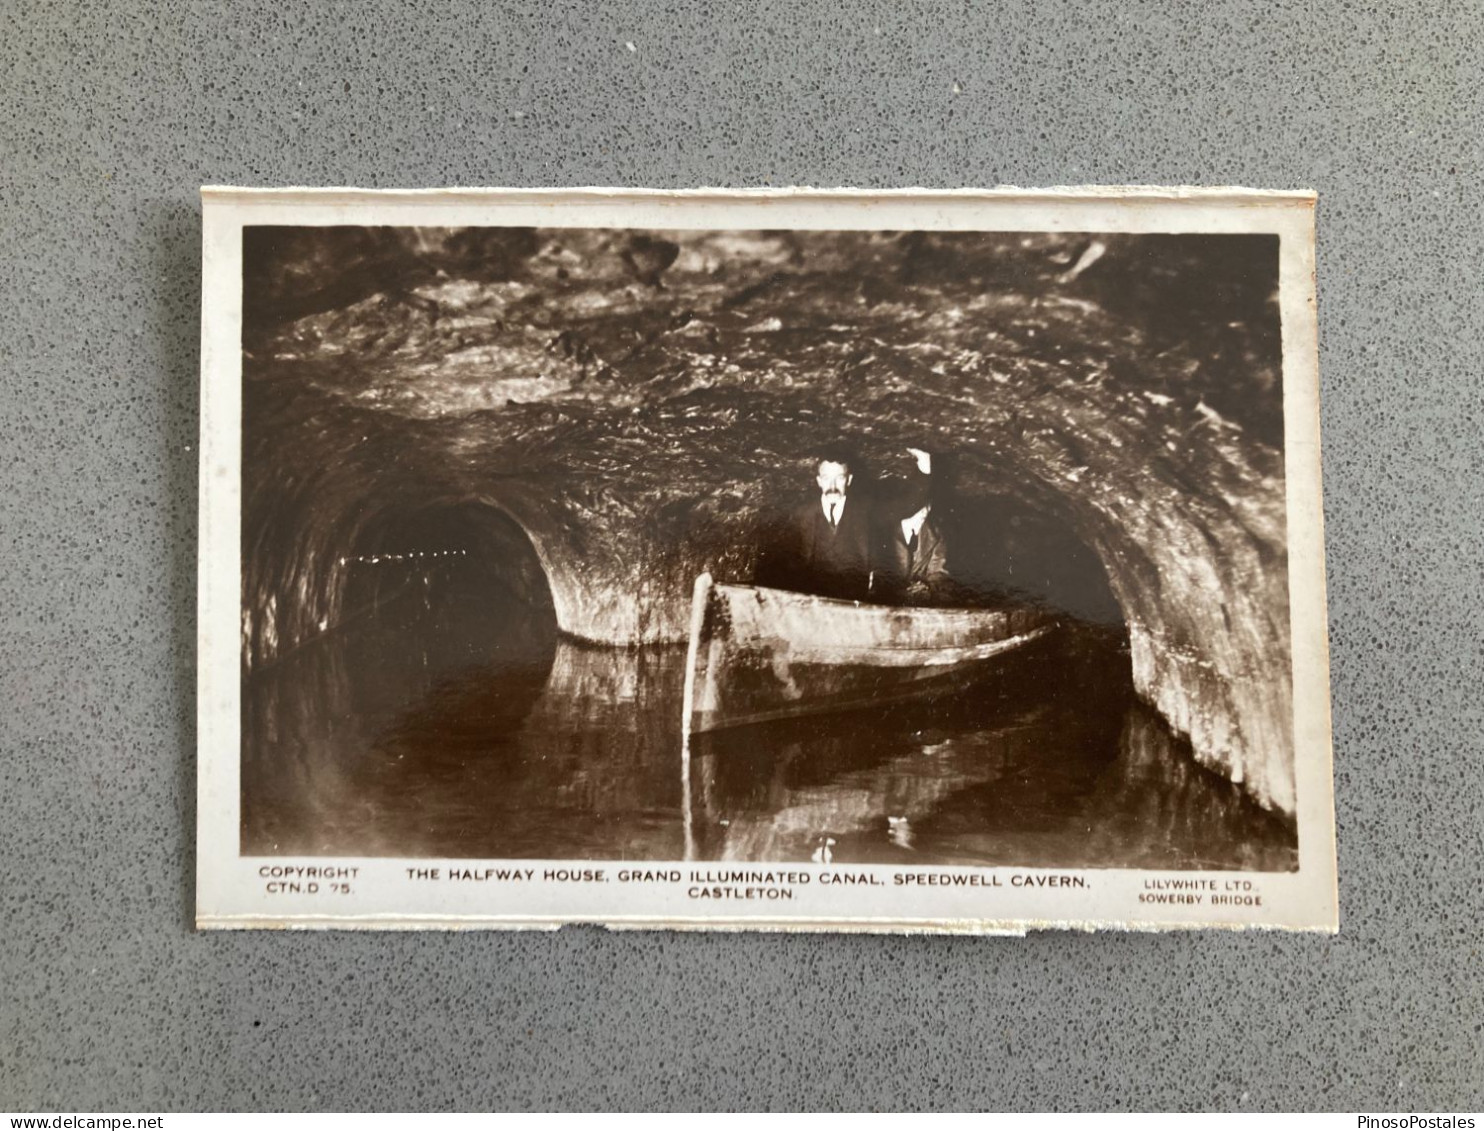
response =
{"points": [[913, 561]]}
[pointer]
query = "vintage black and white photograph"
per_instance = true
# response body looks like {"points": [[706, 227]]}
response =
{"points": [[738, 553]]}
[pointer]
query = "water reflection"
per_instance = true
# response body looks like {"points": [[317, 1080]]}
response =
{"points": [[1053, 765], [463, 728]]}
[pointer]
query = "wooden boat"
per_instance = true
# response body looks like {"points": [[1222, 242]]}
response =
{"points": [[758, 654]]}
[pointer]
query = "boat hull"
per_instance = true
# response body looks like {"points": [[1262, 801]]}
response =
{"points": [[761, 654]]}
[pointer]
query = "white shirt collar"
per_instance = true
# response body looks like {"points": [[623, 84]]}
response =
{"points": [[839, 508]]}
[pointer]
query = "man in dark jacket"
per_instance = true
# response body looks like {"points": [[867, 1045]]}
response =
{"points": [[825, 546], [912, 561], [844, 544], [910, 556]]}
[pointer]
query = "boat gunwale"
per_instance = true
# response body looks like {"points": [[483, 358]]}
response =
{"points": [[930, 615], [904, 655]]}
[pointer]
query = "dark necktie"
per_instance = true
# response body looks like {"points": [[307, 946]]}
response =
{"points": [[912, 547], [832, 514]]}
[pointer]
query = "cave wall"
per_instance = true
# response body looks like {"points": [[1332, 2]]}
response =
{"points": [[640, 403]]}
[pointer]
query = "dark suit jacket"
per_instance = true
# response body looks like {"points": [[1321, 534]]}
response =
{"points": [[811, 556], [899, 569]]}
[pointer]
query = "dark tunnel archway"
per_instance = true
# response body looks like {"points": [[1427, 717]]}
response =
{"points": [[465, 571], [429, 602], [471, 542], [1001, 547]]}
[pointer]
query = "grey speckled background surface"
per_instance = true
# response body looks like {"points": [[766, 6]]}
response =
{"points": [[114, 114]]}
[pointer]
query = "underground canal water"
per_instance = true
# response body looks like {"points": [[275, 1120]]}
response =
{"points": [[445, 716]]}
